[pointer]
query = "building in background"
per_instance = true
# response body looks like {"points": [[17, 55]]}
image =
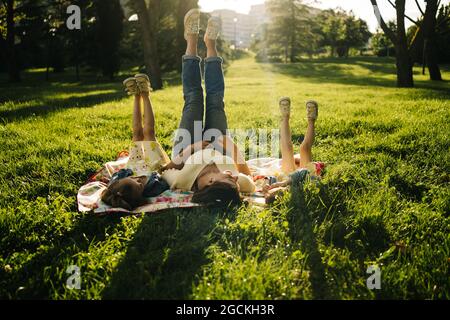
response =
{"points": [[240, 29]]}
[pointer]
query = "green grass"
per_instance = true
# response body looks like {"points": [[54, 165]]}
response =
{"points": [[385, 198]]}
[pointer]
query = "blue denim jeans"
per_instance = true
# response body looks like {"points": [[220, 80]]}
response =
{"points": [[191, 128]]}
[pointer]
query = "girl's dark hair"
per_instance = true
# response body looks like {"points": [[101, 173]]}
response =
{"points": [[122, 194], [219, 193]]}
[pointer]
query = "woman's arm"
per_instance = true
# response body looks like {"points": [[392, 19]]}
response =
{"points": [[180, 159], [230, 147]]}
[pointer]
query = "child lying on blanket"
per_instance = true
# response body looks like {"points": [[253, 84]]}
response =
{"points": [[294, 167], [129, 188]]}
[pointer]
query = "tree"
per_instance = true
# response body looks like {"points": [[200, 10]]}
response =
{"points": [[342, 31], [9, 44], [407, 51], [403, 59], [426, 38], [381, 44], [357, 33], [148, 22], [333, 29], [443, 34], [290, 19], [109, 27]]}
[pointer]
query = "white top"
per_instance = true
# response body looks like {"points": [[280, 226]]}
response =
{"points": [[184, 179]]}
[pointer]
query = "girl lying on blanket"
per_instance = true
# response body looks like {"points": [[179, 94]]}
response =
{"points": [[294, 167], [213, 177]]}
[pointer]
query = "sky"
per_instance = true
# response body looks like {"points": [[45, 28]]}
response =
{"points": [[361, 8]]}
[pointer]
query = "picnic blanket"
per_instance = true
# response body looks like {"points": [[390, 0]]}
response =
{"points": [[89, 195]]}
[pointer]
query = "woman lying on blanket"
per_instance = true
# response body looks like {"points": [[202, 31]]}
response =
{"points": [[213, 177]]}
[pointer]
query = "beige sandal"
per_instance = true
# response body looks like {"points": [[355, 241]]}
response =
{"points": [[312, 110], [191, 22], [143, 82], [131, 87], [285, 106]]}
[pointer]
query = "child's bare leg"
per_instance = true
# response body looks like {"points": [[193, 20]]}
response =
{"points": [[138, 134], [149, 118], [211, 48], [306, 146], [191, 45], [287, 149]]}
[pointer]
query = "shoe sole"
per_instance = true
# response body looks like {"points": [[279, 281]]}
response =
{"points": [[315, 105], [285, 109], [141, 76], [215, 23], [191, 13]]}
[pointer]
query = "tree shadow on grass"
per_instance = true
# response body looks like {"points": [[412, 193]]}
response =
{"points": [[340, 71], [31, 280], [323, 217], [165, 256], [301, 230], [162, 260], [42, 106]]}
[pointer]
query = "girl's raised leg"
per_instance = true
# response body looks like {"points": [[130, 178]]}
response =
{"points": [[312, 110], [149, 118], [306, 146], [287, 148], [138, 133]]}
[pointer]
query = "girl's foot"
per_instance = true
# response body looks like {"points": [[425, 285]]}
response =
{"points": [[285, 107], [191, 23], [143, 83], [312, 110], [213, 29], [131, 87]]}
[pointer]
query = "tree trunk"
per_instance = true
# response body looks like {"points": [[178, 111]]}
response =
{"points": [[432, 61], [424, 41], [404, 68], [293, 53], [286, 53], [13, 64], [148, 18], [404, 61], [429, 32]]}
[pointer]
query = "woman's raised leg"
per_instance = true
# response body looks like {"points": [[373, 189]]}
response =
{"points": [[215, 117], [191, 124]]}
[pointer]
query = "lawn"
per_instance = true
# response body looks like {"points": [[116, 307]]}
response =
{"points": [[384, 199]]}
